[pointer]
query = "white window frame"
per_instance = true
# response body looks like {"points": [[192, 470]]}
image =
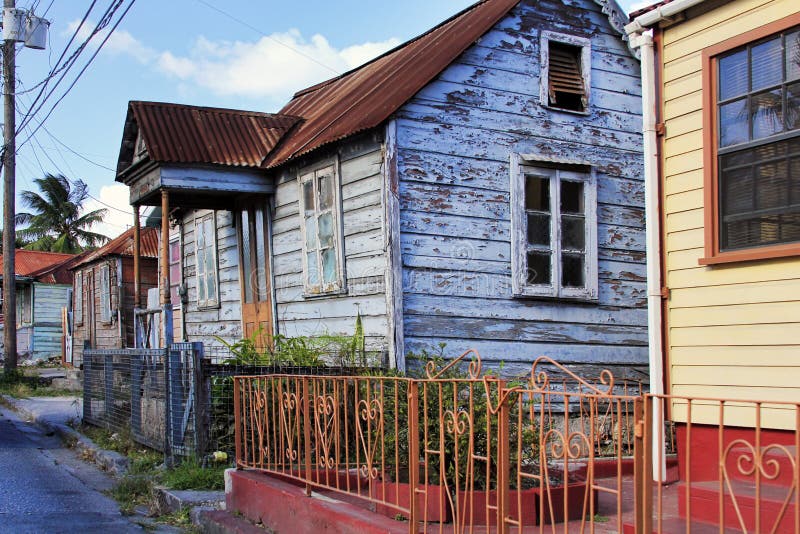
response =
{"points": [[310, 174], [519, 231], [210, 301], [77, 309], [586, 67], [105, 293]]}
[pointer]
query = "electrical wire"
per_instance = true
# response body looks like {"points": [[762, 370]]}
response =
{"points": [[82, 71]]}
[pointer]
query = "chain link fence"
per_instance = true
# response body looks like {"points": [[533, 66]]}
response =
{"points": [[177, 400]]}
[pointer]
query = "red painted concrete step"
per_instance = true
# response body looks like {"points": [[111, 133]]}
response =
{"points": [[704, 500], [678, 526], [777, 462]]}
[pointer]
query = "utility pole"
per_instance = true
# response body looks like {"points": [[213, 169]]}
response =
{"points": [[18, 26], [9, 191]]}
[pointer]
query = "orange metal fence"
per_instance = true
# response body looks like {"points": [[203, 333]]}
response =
{"points": [[738, 467], [457, 451]]}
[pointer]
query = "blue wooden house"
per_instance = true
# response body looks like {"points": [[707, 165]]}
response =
{"points": [[479, 186]]}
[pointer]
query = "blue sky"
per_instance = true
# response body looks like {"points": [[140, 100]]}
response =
{"points": [[243, 54]]}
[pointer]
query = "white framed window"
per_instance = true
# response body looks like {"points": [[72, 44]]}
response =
{"points": [[566, 68], [206, 261], [320, 225], [105, 293], [77, 310], [554, 230]]}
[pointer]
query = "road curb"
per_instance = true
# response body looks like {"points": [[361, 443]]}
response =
{"points": [[113, 462]]}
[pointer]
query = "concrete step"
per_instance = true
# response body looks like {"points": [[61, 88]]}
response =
{"points": [[775, 505], [675, 525]]}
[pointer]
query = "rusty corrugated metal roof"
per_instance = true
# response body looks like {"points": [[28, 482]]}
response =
{"points": [[365, 97], [122, 245], [178, 133], [29, 262]]}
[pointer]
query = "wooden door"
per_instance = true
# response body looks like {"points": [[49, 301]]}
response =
{"points": [[255, 273]]}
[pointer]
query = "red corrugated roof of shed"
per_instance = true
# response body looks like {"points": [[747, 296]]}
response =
{"points": [[28, 262], [177, 133], [365, 97], [122, 245]]}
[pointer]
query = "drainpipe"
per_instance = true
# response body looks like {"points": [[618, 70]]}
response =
{"points": [[644, 41]]}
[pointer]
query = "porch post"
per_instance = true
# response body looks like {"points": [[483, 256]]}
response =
{"points": [[137, 250], [166, 303]]}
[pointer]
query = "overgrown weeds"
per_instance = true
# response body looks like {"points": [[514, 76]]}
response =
{"points": [[132, 491], [18, 384], [191, 475]]}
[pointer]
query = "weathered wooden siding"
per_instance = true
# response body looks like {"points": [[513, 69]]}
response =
{"points": [[733, 330], [115, 334], [224, 320], [48, 301], [107, 334], [454, 142], [361, 192]]}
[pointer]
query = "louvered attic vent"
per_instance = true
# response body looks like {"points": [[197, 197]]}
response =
{"points": [[566, 85]]}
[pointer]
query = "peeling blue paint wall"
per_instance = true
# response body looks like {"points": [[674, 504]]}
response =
{"points": [[454, 140]]}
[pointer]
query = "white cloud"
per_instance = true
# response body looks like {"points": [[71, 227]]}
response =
{"points": [[119, 217], [120, 42], [272, 67]]}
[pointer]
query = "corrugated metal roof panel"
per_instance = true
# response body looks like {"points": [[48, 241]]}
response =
{"points": [[122, 245], [367, 96], [177, 133], [27, 262]]}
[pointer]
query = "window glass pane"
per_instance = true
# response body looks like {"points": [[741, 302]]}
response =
{"points": [[313, 270], [261, 254], [766, 64], [537, 193], [571, 197], [790, 228], [326, 190], [572, 270], [773, 185], [311, 233], [793, 107], [326, 230], [538, 267], [247, 269], [211, 274], [766, 111], [308, 197], [793, 56], [733, 123], [201, 278], [573, 232], [539, 229], [737, 190], [328, 265], [794, 178], [733, 75], [211, 284]]}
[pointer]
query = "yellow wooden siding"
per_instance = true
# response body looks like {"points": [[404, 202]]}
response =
{"points": [[733, 330]]}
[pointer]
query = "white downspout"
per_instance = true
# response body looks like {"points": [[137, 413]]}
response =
{"points": [[644, 41]]}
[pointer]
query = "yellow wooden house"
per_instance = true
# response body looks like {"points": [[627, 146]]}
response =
{"points": [[721, 96]]}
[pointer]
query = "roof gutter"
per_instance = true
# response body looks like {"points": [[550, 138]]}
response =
{"points": [[659, 14]]}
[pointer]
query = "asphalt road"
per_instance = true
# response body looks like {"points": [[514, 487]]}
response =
{"points": [[46, 488]]}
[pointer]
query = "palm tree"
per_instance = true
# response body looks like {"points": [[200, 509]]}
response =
{"points": [[57, 223]]}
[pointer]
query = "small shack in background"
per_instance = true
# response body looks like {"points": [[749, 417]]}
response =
{"points": [[103, 292], [43, 283]]}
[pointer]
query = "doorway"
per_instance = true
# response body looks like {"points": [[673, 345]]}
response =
{"points": [[254, 262]]}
